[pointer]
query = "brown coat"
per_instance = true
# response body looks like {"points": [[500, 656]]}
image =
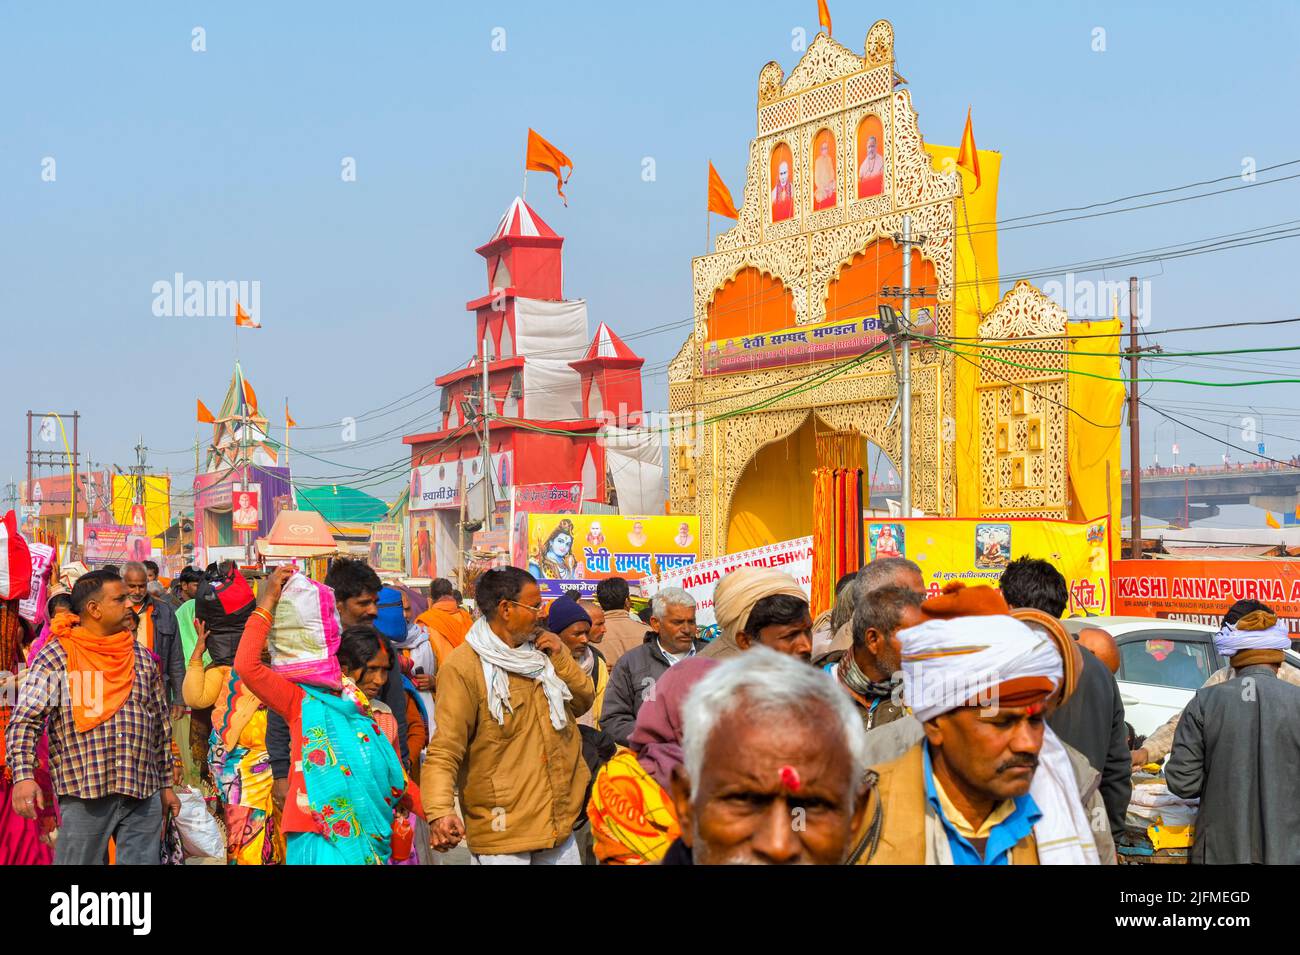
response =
{"points": [[623, 632], [903, 836], [908, 826], [521, 784]]}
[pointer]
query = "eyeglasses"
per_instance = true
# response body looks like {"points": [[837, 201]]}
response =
{"points": [[533, 610]]}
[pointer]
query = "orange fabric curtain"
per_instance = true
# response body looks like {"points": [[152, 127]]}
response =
{"points": [[837, 531]]}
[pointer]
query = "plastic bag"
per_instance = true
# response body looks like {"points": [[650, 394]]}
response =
{"points": [[224, 604], [305, 635], [200, 834]]}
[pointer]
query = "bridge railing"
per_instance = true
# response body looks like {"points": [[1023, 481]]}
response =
{"points": [[1232, 467]]}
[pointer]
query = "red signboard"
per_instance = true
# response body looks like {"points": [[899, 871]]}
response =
{"points": [[1201, 591]]}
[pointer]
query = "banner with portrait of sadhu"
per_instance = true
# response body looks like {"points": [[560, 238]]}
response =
{"points": [[976, 551], [846, 338]]}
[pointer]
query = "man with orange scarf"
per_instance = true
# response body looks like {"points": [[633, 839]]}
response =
{"points": [[106, 707], [446, 622]]}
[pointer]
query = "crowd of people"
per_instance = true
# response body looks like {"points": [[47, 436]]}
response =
{"points": [[352, 722]]}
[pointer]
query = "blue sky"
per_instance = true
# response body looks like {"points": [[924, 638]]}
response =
{"points": [[226, 164]]}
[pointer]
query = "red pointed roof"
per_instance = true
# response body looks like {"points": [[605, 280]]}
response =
{"points": [[606, 344], [607, 348], [520, 221]]}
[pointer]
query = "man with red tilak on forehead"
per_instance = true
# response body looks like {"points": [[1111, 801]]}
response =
{"points": [[989, 783]]}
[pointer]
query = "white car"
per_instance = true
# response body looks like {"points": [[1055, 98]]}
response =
{"points": [[1162, 663]]}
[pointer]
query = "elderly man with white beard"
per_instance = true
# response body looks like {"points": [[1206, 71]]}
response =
{"points": [[774, 764]]}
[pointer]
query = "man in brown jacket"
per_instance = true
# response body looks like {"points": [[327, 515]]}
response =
{"points": [[623, 631], [507, 737]]}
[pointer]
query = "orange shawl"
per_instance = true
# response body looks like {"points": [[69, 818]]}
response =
{"points": [[451, 625], [90, 657]]}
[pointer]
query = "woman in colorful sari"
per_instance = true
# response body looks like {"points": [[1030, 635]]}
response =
{"points": [[237, 757], [345, 778], [633, 821], [365, 661]]}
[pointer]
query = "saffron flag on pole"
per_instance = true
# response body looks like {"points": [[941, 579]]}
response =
{"points": [[824, 15], [1270, 520], [288, 418], [720, 196], [250, 397], [243, 319], [967, 156], [204, 415], [544, 157]]}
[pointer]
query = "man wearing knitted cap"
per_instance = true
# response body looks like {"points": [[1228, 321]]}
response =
{"points": [[989, 783], [1237, 749], [758, 605], [570, 621]]}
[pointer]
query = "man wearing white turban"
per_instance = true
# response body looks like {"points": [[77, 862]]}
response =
{"points": [[760, 605], [1237, 749], [989, 783], [1158, 745]]}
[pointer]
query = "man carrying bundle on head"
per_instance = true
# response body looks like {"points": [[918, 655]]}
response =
{"points": [[1237, 749]]}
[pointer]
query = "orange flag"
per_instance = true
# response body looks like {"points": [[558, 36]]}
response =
{"points": [[288, 418], [967, 157], [243, 319], [1270, 520], [250, 396], [720, 196], [824, 15], [205, 416], [543, 157]]}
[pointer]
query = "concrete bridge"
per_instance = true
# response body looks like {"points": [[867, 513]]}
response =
{"points": [[1186, 494]]}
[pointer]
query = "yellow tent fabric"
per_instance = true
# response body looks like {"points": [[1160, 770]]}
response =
{"points": [[157, 501], [1095, 448], [975, 254]]}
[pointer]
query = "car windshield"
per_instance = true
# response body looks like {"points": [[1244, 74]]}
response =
{"points": [[1165, 658]]}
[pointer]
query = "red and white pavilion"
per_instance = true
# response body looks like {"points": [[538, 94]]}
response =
{"points": [[552, 388]]}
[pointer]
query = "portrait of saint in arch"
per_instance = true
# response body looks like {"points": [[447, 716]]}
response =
{"points": [[871, 160], [782, 172], [825, 170]]}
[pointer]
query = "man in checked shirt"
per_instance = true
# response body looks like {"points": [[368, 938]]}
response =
{"points": [[102, 698]]}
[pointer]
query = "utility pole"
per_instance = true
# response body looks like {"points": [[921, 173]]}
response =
{"points": [[139, 470], [902, 328], [484, 447], [1134, 448]]}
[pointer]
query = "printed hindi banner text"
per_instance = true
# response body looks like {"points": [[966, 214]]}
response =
{"points": [[577, 551], [698, 579], [386, 548], [976, 552], [562, 498], [799, 345], [1201, 591]]}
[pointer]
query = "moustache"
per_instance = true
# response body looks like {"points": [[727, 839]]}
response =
{"points": [[1020, 762]]}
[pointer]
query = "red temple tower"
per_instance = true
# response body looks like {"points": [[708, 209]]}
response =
{"points": [[550, 388]]}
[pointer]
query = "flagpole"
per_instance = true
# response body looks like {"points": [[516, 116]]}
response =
{"points": [[524, 195], [708, 229], [286, 432]]}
